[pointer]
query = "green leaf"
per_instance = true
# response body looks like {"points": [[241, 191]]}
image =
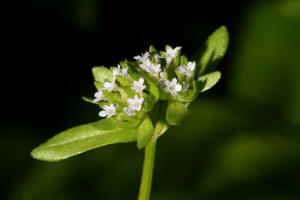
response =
{"points": [[209, 80], [88, 99], [183, 60], [154, 92], [144, 132], [148, 102], [112, 97], [102, 74], [179, 76], [176, 112], [213, 50], [152, 50], [123, 81], [98, 85], [82, 138], [100, 103]]}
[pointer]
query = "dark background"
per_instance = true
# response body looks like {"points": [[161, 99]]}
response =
{"points": [[241, 140]]}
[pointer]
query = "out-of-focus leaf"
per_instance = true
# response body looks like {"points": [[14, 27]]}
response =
{"points": [[213, 50], [144, 132], [85, 137], [268, 51]]}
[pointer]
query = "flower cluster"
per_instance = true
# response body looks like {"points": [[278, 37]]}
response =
{"points": [[154, 67], [134, 104], [133, 87]]}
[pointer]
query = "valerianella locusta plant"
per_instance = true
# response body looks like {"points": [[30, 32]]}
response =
{"points": [[139, 99]]}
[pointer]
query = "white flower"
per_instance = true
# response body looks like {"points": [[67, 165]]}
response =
{"points": [[187, 70], [154, 69], [129, 111], [120, 71], [172, 87], [109, 86], [170, 54], [148, 66], [185, 86], [98, 96], [162, 75], [135, 104], [138, 86], [162, 79], [143, 58], [156, 57], [108, 111]]}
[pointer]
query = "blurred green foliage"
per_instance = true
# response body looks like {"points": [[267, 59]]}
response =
{"points": [[244, 144]]}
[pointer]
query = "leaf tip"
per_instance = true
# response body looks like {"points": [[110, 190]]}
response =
{"points": [[39, 153], [223, 31]]}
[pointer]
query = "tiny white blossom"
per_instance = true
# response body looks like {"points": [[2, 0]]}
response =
{"points": [[150, 67], [170, 54], [162, 75], [162, 79], [98, 96], [138, 86], [129, 111], [187, 70], [172, 87], [108, 111], [155, 69], [120, 71], [135, 103], [143, 58], [109, 86], [156, 58], [185, 86]]}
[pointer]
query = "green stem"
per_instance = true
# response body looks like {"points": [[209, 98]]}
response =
{"points": [[145, 187], [146, 181]]}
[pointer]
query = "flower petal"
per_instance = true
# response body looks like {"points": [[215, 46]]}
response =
{"points": [[103, 113]]}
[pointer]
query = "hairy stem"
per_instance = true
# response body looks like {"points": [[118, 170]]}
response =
{"points": [[145, 187]]}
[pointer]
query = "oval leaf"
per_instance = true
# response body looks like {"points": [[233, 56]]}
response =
{"points": [[209, 80], [144, 132], [213, 50], [82, 138], [176, 113]]}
